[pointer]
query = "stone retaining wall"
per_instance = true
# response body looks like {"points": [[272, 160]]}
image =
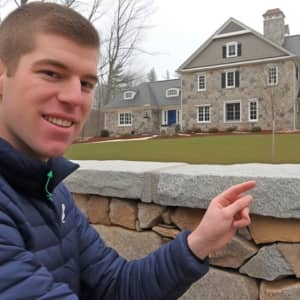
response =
{"points": [[138, 206]]}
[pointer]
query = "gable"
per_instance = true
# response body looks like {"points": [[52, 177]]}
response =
{"points": [[231, 27], [253, 48]]}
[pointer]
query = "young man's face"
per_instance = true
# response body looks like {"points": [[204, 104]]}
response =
{"points": [[44, 105]]}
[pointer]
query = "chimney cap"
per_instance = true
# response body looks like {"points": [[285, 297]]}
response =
{"points": [[273, 12]]}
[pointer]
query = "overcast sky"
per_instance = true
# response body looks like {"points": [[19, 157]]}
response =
{"points": [[180, 27]]}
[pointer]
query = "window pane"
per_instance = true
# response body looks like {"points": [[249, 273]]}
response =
{"points": [[233, 112], [201, 82], [230, 79]]}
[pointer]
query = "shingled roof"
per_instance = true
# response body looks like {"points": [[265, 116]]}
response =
{"points": [[147, 93]]}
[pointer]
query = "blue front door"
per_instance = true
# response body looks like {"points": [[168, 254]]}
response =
{"points": [[171, 117]]}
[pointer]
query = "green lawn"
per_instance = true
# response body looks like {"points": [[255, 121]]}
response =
{"points": [[225, 149]]}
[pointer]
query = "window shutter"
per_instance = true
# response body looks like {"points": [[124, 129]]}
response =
{"points": [[239, 49], [223, 80], [224, 51], [237, 78]]}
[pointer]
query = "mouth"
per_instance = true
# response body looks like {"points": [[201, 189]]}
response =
{"points": [[58, 122]]}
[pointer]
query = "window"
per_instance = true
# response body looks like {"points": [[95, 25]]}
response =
{"points": [[230, 79], [232, 49], [172, 92], [253, 110], [125, 119], [202, 82], [297, 72], [203, 114], [129, 95], [232, 111], [272, 75]]}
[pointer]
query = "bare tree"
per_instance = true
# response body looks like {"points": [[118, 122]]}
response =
{"points": [[122, 43], [151, 76]]}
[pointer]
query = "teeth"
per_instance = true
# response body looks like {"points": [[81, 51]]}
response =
{"points": [[59, 122]]}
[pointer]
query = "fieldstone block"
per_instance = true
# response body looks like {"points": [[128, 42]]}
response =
{"points": [[234, 253], [123, 213], [166, 216], [166, 232], [149, 214], [98, 210], [288, 289], [129, 244], [81, 202], [270, 230], [187, 218], [244, 232], [267, 264], [222, 285], [291, 253]]}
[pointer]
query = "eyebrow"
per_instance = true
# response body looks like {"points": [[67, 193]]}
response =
{"points": [[57, 64]]}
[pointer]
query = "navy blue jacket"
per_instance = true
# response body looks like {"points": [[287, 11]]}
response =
{"points": [[48, 250]]}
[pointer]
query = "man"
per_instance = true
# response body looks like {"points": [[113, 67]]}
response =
{"points": [[48, 62]]}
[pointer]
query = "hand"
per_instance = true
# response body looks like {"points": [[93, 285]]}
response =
{"points": [[225, 214]]}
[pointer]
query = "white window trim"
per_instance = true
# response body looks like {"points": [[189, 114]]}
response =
{"points": [[249, 112], [130, 93], [198, 76], [124, 125], [235, 44], [172, 89], [226, 79], [197, 113], [268, 75], [224, 111], [164, 117]]}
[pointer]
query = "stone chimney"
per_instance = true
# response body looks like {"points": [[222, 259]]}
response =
{"points": [[274, 27]]}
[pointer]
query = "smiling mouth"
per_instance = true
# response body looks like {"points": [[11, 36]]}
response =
{"points": [[58, 122]]}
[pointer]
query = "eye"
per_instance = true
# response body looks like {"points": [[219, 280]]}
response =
{"points": [[87, 86], [50, 73]]}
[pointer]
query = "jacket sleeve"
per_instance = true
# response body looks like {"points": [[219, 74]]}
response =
{"points": [[164, 274], [21, 275]]}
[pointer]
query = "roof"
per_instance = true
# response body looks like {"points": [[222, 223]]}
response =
{"points": [[231, 27], [147, 93], [292, 43]]}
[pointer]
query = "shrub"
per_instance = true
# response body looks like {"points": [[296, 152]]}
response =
{"points": [[231, 128], [255, 129], [177, 128], [213, 130], [104, 133]]}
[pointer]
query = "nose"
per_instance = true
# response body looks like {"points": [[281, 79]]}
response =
{"points": [[70, 91]]}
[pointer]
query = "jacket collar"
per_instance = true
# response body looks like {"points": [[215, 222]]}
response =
{"points": [[30, 176]]}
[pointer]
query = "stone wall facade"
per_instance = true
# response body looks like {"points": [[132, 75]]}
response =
{"points": [[137, 206], [283, 97], [145, 120]]}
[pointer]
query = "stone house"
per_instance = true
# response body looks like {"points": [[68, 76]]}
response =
{"points": [[240, 78], [148, 108]]}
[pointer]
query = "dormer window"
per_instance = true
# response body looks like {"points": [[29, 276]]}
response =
{"points": [[172, 92], [129, 95], [232, 49]]}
